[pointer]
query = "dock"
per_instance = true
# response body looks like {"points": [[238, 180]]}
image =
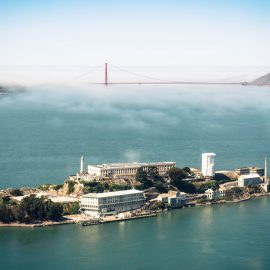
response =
{"points": [[91, 222]]}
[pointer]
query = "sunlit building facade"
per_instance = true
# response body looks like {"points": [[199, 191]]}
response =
{"points": [[127, 169], [97, 204]]}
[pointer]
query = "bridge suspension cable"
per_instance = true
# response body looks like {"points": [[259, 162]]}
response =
{"points": [[139, 75], [88, 72]]}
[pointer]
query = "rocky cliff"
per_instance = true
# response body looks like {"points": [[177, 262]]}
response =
{"points": [[264, 80]]}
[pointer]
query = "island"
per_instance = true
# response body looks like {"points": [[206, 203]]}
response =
{"points": [[123, 191]]}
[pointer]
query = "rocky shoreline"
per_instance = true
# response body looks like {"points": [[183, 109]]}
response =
{"points": [[41, 224], [256, 195], [75, 219]]}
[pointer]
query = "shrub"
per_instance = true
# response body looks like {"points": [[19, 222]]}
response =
{"points": [[234, 193], [57, 187], [71, 208], [70, 187], [16, 192], [157, 206], [44, 187], [31, 209]]}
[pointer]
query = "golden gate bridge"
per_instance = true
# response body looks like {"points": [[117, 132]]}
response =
{"points": [[146, 79]]}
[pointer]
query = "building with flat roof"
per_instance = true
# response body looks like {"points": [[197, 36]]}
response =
{"points": [[249, 180], [250, 170], [97, 204], [208, 163], [127, 169]]}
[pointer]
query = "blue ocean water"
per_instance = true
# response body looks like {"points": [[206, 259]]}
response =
{"points": [[45, 130], [233, 236]]}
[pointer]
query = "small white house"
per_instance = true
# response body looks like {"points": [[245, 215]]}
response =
{"points": [[173, 199], [214, 194]]}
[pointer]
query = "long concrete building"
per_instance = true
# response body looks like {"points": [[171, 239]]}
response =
{"points": [[127, 169], [97, 204]]}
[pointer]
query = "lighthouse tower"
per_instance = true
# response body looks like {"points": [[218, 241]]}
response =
{"points": [[81, 165], [265, 184], [265, 172]]}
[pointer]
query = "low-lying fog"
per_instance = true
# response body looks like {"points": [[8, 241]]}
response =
{"points": [[46, 128]]}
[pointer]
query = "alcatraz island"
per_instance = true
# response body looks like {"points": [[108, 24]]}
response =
{"points": [[124, 191]]}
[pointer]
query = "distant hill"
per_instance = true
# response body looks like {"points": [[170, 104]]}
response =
{"points": [[5, 90], [264, 80], [2, 89]]}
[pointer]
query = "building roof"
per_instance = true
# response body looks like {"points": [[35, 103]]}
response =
{"points": [[132, 165], [222, 188], [164, 195], [112, 194], [249, 168], [208, 154], [209, 190], [249, 176]]}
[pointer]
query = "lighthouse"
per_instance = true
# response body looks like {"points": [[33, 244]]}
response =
{"points": [[265, 172], [265, 183]]}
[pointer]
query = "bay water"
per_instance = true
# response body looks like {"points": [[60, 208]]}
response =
{"points": [[45, 129], [231, 236]]}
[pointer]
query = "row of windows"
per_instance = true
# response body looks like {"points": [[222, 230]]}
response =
{"points": [[114, 198], [133, 171], [125, 208], [123, 203], [121, 198], [84, 205]]}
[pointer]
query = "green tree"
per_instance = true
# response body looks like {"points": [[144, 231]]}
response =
{"points": [[176, 174], [161, 188], [185, 186], [201, 188], [6, 215], [186, 170], [74, 208], [153, 174], [142, 177], [54, 210], [32, 209]]}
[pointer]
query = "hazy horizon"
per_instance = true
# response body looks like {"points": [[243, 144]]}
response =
{"points": [[83, 74], [130, 33]]}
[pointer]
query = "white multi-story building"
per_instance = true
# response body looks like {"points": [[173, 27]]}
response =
{"points": [[127, 169], [249, 180], [208, 163], [97, 204]]}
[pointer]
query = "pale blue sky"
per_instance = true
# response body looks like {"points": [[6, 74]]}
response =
{"points": [[150, 33]]}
